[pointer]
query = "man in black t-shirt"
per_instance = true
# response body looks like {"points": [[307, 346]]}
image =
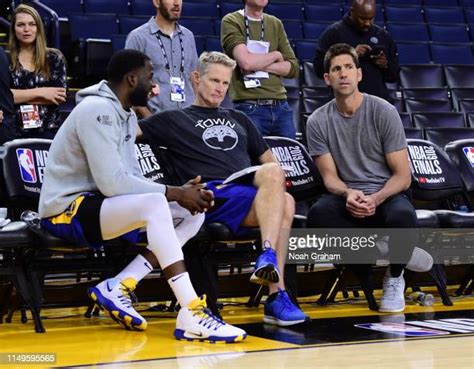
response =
{"points": [[213, 142]]}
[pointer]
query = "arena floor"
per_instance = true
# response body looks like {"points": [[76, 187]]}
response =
{"points": [[342, 335]]}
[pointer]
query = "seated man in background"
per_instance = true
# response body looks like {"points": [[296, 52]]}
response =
{"points": [[93, 191], [215, 142], [359, 147]]}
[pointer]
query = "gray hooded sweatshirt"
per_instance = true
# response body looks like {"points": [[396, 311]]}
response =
{"points": [[93, 151]]}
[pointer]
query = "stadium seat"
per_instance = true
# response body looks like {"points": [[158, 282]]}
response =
{"points": [[128, 23], [415, 133], [228, 7], [309, 76], [200, 43], [419, 105], [422, 76], [408, 14], [456, 33], [452, 53], [295, 105], [63, 8], [429, 3], [469, 12], [438, 120], [285, 10], [305, 50], [105, 6], [470, 118], [199, 26], [458, 94], [142, 7], [118, 42], [200, 9], [444, 15], [84, 26], [442, 136], [403, 2], [322, 13], [467, 106], [414, 53], [213, 44], [426, 93], [312, 92], [408, 31], [311, 104], [293, 29], [406, 120], [313, 30], [459, 76]]}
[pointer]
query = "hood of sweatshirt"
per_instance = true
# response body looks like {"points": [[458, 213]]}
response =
{"points": [[102, 89]]}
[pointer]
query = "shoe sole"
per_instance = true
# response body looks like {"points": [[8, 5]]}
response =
{"points": [[115, 313], [391, 310], [265, 275], [283, 323], [180, 335]]}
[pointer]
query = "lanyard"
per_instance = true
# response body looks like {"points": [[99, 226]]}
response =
{"points": [[165, 56], [247, 28]]}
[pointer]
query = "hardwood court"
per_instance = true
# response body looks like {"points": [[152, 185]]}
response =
{"points": [[342, 335]]}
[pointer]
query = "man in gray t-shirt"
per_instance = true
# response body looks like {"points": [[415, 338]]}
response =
{"points": [[172, 50], [359, 147]]}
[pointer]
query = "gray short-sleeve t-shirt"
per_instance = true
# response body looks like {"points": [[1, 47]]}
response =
{"points": [[358, 144]]}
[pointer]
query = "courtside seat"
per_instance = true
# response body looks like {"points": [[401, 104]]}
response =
{"points": [[24, 162]]}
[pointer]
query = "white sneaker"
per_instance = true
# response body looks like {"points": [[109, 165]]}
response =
{"points": [[197, 323], [393, 298], [115, 297]]}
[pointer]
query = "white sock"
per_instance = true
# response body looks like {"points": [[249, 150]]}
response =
{"points": [[137, 269], [182, 288]]}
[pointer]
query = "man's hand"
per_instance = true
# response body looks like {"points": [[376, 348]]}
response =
{"points": [[1, 116], [362, 49], [192, 196], [359, 205], [380, 60]]}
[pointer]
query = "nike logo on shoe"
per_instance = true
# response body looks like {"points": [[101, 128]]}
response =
{"points": [[176, 278], [108, 287], [187, 333], [148, 266]]}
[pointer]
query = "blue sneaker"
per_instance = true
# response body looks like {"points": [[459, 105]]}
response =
{"points": [[266, 269], [280, 310]]}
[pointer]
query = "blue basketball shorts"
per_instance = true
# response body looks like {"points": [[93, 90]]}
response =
{"points": [[80, 222], [233, 202]]}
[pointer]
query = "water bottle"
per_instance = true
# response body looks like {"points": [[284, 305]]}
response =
{"points": [[31, 218], [421, 298]]}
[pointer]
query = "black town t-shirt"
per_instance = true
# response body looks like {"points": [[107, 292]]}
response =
{"points": [[211, 142]]}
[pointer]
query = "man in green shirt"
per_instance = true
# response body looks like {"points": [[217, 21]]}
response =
{"points": [[259, 44]]}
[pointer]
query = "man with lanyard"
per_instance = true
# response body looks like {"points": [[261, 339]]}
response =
{"points": [[256, 87], [172, 49]]}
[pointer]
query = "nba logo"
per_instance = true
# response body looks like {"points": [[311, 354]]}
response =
{"points": [[27, 165], [469, 152]]}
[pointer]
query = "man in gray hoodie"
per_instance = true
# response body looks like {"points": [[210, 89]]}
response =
{"points": [[93, 191]]}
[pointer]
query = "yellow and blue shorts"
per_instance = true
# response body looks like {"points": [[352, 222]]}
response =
{"points": [[80, 222]]}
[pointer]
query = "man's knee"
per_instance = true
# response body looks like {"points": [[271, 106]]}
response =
{"points": [[401, 214], [270, 173], [289, 212], [153, 203]]}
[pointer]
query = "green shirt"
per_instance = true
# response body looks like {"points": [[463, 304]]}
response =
{"points": [[233, 34]]}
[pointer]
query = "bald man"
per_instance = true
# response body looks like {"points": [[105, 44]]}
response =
{"points": [[375, 48]]}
